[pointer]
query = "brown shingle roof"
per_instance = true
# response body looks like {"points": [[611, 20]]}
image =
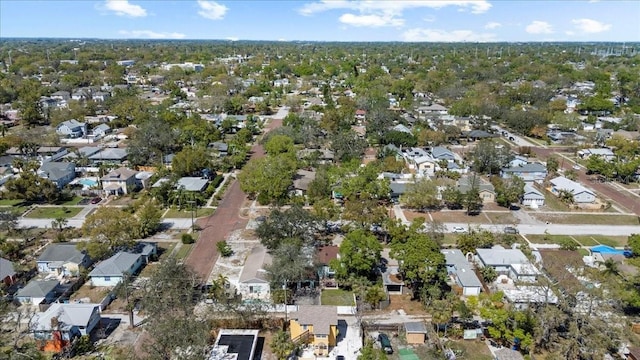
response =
{"points": [[327, 253], [321, 317]]}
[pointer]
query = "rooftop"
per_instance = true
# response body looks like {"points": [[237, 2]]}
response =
{"points": [[498, 256], [321, 317], [68, 315], [253, 269], [192, 183], [116, 265], [236, 344], [61, 253], [38, 288]]}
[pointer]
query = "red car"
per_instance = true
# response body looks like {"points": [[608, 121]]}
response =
{"points": [[96, 200]]}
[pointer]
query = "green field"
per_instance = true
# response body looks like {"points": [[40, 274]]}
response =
{"points": [[185, 214], [336, 297], [53, 212]]}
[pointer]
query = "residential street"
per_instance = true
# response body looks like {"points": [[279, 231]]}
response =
{"points": [[226, 219]]}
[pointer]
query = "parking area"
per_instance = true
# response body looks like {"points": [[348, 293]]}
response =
{"points": [[349, 339]]}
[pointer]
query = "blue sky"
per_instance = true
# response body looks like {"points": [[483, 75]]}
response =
{"points": [[340, 20]]}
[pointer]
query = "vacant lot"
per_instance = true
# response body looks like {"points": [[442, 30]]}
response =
{"points": [[336, 297], [96, 294], [467, 349], [591, 219], [53, 212], [550, 239]]}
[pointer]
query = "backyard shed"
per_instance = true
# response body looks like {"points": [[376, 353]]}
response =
{"points": [[416, 332]]}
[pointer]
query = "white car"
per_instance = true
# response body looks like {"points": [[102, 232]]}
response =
{"points": [[458, 229]]}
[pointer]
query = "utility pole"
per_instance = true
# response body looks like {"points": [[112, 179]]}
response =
{"points": [[192, 203], [286, 320]]}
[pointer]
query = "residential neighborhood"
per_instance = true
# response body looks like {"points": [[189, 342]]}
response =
{"points": [[289, 201]]}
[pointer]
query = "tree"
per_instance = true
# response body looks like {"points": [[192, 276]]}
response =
{"points": [[347, 146], [290, 264], [191, 161], [292, 223], [8, 221], [452, 197], [489, 158], [149, 219], [364, 211], [552, 165], [281, 345], [151, 142], [489, 274], [169, 299], [368, 352], [29, 102], [508, 191], [359, 256], [269, 178], [420, 259], [108, 228], [471, 200], [422, 194], [634, 244], [468, 242], [31, 187], [279, 144]]}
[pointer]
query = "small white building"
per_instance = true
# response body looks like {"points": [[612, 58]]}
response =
{"points": [[532, 197], [253, 283]]}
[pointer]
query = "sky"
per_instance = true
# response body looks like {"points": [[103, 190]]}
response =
{"points": [[326, 20]]}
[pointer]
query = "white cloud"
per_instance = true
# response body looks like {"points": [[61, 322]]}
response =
{"points": [[376, 13], [149, 34], [212, 10], [233, 38], [124, 8], [435, 35], [590, 26], [492, 25], [370, 20], [539, 27]]}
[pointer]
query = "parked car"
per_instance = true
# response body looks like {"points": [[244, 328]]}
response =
{"points": [[511, 230], [340, 357], [95, 200], [458, 229], [385, 343]]}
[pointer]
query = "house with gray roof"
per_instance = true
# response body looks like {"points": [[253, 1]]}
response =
{"points": [[604, 153], [510, 262], [112, 271], [194, 184], [37, 292], [460, 271], [581, 195], [72, 320], [485, 188], [254, 281], [101, 130], [7, 272], [220, 148], [532, 197], [62, 259], [60, 173], [530, 172], [442, 153], [109, 156], [72, 128], [321, 322]]}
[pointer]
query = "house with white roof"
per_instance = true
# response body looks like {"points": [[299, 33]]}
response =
{"points": [[581, 195], [459, 269], [72, 128]]}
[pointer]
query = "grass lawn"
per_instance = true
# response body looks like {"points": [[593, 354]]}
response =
{"points": [[552, 202], [96, 294], [613, 241], [450, 238], [458, 217], [476, 350], [501, 217], [591, 219], [17, 209], [336, 297], [549, 239], [583, 252], [165, 249], [201, 212], [183, 251], [586, 240], [71, 202], [10, 202], [53, 212]]}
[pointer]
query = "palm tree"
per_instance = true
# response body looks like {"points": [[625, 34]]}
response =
{"points": [[610, 267], [219, 287]]}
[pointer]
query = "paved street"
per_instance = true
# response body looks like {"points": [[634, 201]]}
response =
{"points": [[226, 219], [562, 229]]}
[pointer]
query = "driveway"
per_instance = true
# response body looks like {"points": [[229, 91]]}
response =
{"points": [[225, 219]]}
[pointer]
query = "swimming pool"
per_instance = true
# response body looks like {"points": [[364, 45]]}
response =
{"points": [[88, 182], [604, 249]]}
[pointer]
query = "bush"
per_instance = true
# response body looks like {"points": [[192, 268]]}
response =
{"points": [[187, 239], [224, 249]]}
